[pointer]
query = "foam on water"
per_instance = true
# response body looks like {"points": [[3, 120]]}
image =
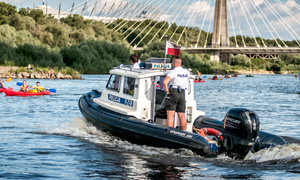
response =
{"points": [[81, 128], [285, 152]]}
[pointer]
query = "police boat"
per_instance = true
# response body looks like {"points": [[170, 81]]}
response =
{"points": [[132, 107]]}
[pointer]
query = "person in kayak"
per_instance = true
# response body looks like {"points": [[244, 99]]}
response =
{"points": [[175, 99], [24, 87], [38, 88], [1, 84]]}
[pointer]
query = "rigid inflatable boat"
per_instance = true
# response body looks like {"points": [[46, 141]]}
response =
{"points": [[132, 107]]}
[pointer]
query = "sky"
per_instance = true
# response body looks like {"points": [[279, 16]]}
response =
{"points": [[266, 18]]}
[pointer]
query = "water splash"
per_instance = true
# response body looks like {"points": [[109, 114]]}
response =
{"points": [[80, 128], [287, 153]]}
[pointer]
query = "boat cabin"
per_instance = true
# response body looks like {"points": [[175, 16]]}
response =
{"points": [[140, 93]]}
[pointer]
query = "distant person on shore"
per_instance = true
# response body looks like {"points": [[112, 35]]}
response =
{"points": [[1, 84], [134, 60], [50, 73], [24, 87], [29, 67], [38, 88]]}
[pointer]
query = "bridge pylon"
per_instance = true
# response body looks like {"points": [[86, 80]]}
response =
{"points": [[220, 30]]}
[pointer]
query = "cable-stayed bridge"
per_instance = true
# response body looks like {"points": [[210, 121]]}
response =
{"points": [[221, 27]]}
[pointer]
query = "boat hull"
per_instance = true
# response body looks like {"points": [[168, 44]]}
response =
{"points": [[141, 132], [4, 89], [21, 93], [199, 81]]}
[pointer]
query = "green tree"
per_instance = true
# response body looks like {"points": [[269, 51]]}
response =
{"points": [[6, 10]]}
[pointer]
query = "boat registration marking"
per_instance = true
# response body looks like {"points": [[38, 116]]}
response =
{"points": [[120, 100], [181, 134]]}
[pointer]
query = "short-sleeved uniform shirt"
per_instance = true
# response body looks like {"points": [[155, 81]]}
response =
{"points": [[175, 101]]}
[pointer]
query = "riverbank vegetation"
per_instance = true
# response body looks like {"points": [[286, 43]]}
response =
{"points": [[76, 45]]}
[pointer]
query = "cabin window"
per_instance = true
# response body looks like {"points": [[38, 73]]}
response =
{"points": [[129, 85], [114, 82]]}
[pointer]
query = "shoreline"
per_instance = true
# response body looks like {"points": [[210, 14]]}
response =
{"points": [[31, 74]]}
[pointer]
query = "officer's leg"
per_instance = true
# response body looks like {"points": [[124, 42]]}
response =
{"points": [[170, 117], [183, 122]]}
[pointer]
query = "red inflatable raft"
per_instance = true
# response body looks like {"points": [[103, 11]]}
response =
{"points": [[21, 93], [199, 81], [4, 89]]}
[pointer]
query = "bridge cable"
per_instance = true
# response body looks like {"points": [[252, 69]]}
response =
{"points": [[129, 8], [75, 6], [193, 27], [295, 4], [117, 9], [236, 44], [249, 24], [264, 22], [187, 23], [137, 6], [287, 10], [180, 23], [205, 43], [271, 26], [102, 9], [93, 8], [174, 20], [120, 13], [110, 9], [153, 25], [149, 25], [238, 23], [86, 4], [135, 18], [203, 23], [254, 24], [140, 22], [165, 23], [268, 4]]}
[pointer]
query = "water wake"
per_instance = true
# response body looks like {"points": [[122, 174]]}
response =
{"points": [[286, 153], [80, 128]]}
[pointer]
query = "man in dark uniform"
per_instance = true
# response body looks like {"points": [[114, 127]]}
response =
{"points": [[175, 100]]}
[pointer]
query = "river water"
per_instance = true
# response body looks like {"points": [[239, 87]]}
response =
{"points": [[46, 136]]}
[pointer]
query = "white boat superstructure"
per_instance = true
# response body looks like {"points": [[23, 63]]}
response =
{"points": [[139, 93]]}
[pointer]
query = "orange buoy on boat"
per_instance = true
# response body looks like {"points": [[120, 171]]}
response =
{"points": [[210, 131]]}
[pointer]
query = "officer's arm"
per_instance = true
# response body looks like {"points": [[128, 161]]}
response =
{"points": [[166, 82]]}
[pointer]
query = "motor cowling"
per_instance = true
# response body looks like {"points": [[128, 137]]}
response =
{"points": [[241, 129]]}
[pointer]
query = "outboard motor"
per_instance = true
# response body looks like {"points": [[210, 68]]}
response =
{"points": [[241, 129]]}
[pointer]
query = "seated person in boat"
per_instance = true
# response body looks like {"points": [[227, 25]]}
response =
{"points": [[196, 78], [200, 78], [1, 84], [38, 88], [134, 60], [215, 76], [24, 87], [175, 100]]}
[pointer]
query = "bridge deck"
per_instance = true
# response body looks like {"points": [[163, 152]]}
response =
{"points": [[240, 50]]}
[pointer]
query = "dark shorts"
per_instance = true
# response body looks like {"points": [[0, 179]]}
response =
{"points": [[175, 101]]}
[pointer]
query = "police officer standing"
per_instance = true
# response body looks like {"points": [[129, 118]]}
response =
{"points": [[175, 100]]}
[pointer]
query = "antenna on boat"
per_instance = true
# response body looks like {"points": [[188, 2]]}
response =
{"points": [[166, 51]]}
